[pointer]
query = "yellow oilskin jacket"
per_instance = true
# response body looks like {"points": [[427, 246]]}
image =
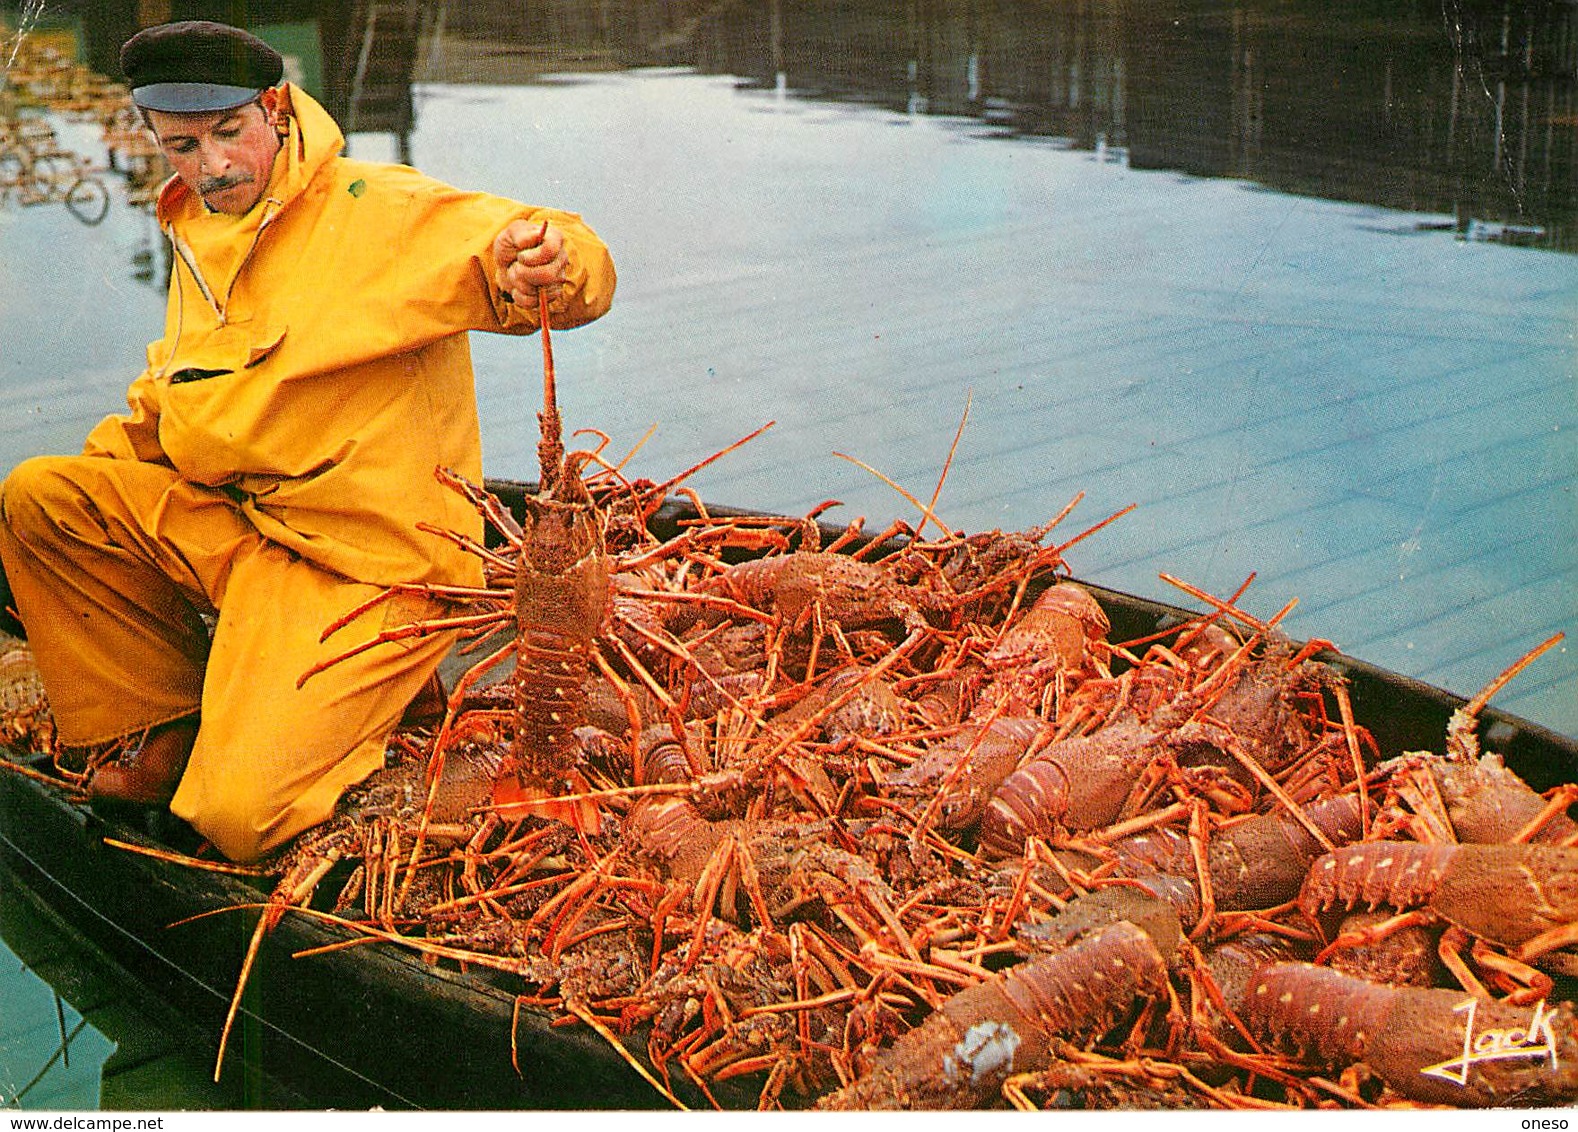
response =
{"points": [[315, 362]]}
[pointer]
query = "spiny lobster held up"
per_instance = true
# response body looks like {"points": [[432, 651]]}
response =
{"points": [[561, 603]]}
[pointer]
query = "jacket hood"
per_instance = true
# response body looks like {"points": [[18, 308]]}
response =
{"points": [[313, 140]]}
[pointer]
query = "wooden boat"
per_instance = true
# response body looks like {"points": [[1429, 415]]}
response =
{"points": [[374, 1025]]}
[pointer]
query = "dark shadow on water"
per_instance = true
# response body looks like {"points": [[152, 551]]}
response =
{"points": [[106, 1043]]}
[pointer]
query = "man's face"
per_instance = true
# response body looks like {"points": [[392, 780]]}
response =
{"points": [[225, 156]]}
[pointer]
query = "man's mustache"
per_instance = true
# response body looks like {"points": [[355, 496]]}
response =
{"points": [[220, 184]]}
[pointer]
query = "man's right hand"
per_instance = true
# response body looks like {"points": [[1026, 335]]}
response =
{"points": [[529, 258]]}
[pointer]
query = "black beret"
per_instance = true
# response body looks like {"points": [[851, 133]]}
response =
{"points": [[195, 65]]}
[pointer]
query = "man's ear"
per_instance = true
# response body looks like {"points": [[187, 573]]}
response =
{"points": [[276, 104]]}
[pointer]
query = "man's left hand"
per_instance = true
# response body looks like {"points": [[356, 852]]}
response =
{"points": [[530, 257]]}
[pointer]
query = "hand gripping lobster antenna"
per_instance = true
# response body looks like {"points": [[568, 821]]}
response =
{"points": [[550, 448]]}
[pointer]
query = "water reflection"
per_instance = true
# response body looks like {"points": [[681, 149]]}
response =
{"points": [[79, 1033], [1466, 108], [50, 1057]]}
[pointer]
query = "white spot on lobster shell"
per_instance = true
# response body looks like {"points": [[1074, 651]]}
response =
{"points": [[985, 1048]]}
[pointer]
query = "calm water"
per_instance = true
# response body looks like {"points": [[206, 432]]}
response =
{"points": [[1302, 287], [49, 1056]]}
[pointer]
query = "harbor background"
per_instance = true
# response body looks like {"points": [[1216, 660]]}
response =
{"points": [[1300, 285]]}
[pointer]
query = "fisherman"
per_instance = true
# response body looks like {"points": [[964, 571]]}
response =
{"points": [[279, 452]]}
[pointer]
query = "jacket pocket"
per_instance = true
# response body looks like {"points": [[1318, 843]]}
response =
{"points": [[223, 350], [218, 412], [181, 377]]}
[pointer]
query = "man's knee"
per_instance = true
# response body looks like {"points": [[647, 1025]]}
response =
{"points": [[238, 823], [248, 807], [31, 501], [31, 495], [235, 836]]}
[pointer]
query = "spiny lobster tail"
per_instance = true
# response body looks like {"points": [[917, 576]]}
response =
{"points": [[550, 448]]}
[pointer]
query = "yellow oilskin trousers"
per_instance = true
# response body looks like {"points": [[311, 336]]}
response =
{"points": [[128, 564]]}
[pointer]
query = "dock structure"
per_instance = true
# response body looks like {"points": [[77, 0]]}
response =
{"points": [[369, 65]]}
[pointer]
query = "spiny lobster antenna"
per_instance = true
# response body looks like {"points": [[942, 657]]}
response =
{"points": [[550, 449]]}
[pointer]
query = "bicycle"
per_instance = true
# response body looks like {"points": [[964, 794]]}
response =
{"points": [[55, 177]]}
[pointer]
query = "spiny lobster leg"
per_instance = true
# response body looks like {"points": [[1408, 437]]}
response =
{"points": [[406, 632], [484, 501]]}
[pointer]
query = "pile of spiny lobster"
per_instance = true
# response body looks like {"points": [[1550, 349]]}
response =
{"points": [[893, 823]]}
